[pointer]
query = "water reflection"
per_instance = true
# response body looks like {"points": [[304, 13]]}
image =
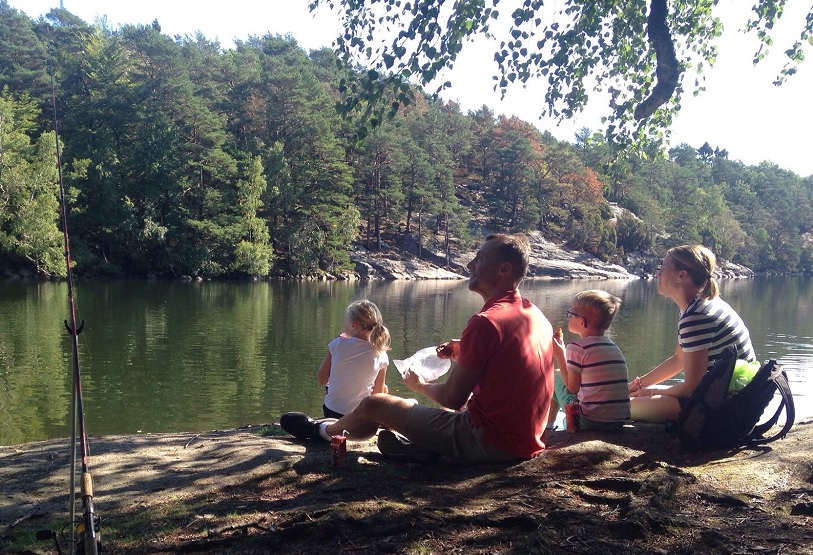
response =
{"points": [[170, 356]]}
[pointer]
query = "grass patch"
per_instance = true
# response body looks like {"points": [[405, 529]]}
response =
{"points": [[23, 537], [270, 430], [137, 528]]}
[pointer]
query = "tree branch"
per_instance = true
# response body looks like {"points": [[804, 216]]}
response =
{"points": [[667, 71]]}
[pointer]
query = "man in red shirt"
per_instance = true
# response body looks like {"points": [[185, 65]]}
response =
{"points": [[496, 398]]}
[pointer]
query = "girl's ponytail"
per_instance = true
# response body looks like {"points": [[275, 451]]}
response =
{"points": [[367, 314], [380, 338]]}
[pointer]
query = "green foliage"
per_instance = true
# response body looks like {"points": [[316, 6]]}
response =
{"points": [[23, 56], [766, 14], [181, 158], [631, 233], [806, 259], [254, 254], [582, 50], [253, 258], [29, 192]]}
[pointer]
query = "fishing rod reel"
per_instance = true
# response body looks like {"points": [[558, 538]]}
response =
{"points": [[80, 538]]}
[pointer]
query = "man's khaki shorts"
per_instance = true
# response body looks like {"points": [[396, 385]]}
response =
{"points": [[451, 434]]}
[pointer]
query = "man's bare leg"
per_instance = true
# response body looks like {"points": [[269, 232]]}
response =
{"points": [[376, 410]]}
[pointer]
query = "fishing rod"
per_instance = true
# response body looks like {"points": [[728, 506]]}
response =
{"points": [[87, 542]]}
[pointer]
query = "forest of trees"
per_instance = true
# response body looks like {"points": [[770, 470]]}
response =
{"points": [[180, 157]]}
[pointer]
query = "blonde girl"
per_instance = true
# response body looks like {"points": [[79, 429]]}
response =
{"points": [[356, 362]]}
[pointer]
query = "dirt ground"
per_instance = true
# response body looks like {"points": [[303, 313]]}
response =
{"points": [[256, 490]]}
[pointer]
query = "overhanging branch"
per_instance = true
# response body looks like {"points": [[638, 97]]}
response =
{"points": [[667, 72]]}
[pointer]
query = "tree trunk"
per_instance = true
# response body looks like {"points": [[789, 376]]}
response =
{"points": [[377, 231], [448, 242], [420, 236]]}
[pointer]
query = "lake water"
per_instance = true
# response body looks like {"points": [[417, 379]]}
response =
{"points": [[184, 356]]}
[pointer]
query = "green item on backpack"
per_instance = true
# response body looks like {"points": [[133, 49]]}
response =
{"points": [[744, 372]]}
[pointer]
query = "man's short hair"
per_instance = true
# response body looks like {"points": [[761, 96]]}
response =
{"points": [[514, 249], [600, 306]]}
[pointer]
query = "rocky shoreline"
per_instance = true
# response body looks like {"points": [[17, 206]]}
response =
{"points": [[549, 260]]}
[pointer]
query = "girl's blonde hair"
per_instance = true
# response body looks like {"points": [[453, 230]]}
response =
{"points": [[367, 315], [700, 263]]}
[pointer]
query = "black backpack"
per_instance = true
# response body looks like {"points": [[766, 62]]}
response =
{"points": [[711, 419]]}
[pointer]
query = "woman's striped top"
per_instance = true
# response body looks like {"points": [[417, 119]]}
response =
{"points": [[713, 325]]}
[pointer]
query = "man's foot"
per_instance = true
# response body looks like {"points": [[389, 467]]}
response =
{"points": [[392, 444], [302, 426]]}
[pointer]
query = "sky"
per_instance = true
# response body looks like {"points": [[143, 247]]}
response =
{"points": [[741, 111]]}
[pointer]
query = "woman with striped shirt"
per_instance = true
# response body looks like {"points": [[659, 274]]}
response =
{"points": [[707, 325]]}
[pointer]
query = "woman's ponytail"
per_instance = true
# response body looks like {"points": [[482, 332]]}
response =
{"points": [[700, 263]]}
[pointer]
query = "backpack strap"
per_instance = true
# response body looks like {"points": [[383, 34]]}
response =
{"points": [[706, 399], [780, 379]]}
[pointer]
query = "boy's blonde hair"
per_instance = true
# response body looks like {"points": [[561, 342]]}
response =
{"points": [[367, 315], [600, 307]]}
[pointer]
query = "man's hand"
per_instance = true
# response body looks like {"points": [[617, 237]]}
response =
{"points": [[414, 382], [450, 349]]}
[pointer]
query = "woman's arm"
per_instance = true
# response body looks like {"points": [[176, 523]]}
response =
{"points": [[665, 370], [695, 365], [323, 375]]}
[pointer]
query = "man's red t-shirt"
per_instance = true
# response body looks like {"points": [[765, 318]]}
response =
{"points": [[510, 341]]}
